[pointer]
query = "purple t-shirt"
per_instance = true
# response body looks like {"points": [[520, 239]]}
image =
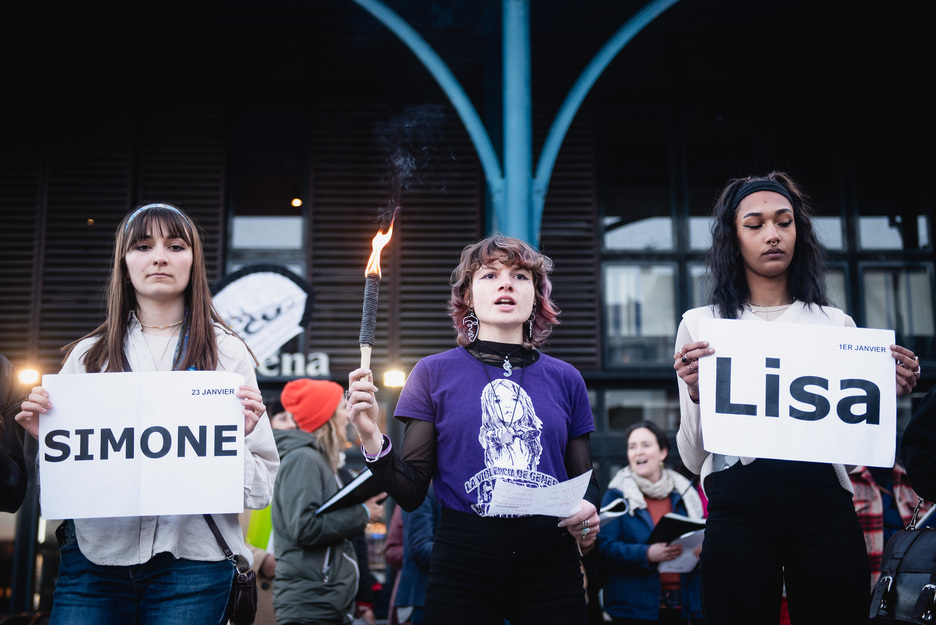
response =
{"points": [[491, 427]]}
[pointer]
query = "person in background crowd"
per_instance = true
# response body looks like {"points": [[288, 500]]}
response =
{"points": [[258, 534], [13, 475], [283, 420], [317, 570], [530, 417], [418, 535], [884, 502], [368, 586], [634, 591], [393, 553], [158, 569], [918, 447], [771, 521]]}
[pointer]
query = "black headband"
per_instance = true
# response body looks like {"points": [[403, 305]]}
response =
{"points": [[753, 186]]}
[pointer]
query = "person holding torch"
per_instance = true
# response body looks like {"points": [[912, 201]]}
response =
{"points": [[494, 408]]}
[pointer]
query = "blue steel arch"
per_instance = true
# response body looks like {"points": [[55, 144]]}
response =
{"points": [[517, 196]]}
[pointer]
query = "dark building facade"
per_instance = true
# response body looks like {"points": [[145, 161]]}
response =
{"points": [[234, 110]]}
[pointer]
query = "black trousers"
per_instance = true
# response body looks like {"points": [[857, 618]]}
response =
{"points": [[484, 570], [776, 521]]}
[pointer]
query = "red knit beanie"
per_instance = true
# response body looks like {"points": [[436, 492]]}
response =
{"points": [[311, 402]]}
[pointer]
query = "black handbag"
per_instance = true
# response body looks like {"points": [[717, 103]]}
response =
{"points": [[243, 602], [906, 590]]}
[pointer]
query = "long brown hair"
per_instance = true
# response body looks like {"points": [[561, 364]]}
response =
{"points": [[200, 317], [332, 442]]}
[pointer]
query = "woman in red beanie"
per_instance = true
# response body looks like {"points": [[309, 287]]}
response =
{"points": [[317, 573], [493, 409]]}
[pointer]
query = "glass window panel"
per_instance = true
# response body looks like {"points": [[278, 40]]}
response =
{"points": [[639, 305], [876, 232], [698, 285], [627, 407], [634, 187], [891, 216], [901, 299], [700, 233], [270, 233], [880, 233], [836, 288], [829, 232], [652, 233]]}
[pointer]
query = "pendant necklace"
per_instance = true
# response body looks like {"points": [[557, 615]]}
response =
{"points": [[506, 366], [505, 436], [171, 325]]}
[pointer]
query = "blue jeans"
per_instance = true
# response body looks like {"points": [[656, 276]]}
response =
{"points": [[164, 591]]}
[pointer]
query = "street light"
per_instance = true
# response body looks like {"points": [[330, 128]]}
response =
{"points": [[28, 377], [394, 378]]}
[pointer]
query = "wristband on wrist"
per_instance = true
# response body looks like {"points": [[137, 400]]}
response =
{"points": [[385, 449]]}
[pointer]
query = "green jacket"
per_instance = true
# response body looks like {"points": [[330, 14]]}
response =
{"points": [[316, 568]]}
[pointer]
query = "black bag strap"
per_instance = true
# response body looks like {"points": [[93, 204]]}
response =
{"points": [[238, 561]]}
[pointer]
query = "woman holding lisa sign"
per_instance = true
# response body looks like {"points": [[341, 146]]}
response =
{"points": [[158, 569], [772, 521]]}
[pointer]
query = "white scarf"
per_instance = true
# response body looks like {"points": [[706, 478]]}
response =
{"points": [[636, 488]]}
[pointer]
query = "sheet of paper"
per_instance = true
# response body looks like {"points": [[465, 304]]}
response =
{"points": [[687, 560], [138, 444], [560, 500]]}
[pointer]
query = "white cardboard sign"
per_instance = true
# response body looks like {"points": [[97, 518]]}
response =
{"points": [[137, 444], [798, 392]]}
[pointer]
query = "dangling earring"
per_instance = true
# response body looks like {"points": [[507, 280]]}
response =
{"points": [[531, 320], [470, 321]]}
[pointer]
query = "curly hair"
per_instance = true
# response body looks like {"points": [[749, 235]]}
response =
{"points": [[514, 253], [725, 267]]}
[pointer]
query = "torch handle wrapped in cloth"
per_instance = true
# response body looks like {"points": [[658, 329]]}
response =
{"points": [[369, 318]]}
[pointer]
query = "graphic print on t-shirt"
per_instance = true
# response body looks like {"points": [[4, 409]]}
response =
{"points": [[510, 437]]}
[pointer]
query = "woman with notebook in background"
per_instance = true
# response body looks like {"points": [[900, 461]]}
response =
{"points": [[635, 591]]}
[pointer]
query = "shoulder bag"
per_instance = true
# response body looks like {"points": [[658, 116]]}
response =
{"points": [[906, 590], [243, 602]]}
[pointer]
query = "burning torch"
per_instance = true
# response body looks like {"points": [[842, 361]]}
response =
{"points": [[371, 292]]}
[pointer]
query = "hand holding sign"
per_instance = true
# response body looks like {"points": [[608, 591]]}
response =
{"points": [[687, 368]]}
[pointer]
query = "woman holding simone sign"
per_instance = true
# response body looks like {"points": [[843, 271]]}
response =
{"points": [[772, 521], [493, 409], [161, 569]]}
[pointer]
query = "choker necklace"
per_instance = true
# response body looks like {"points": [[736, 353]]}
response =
{"points": [[171, 325]]}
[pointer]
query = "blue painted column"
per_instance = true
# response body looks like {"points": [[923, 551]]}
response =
{"points": [[514, 216]]}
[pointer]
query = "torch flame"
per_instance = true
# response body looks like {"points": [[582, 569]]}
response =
{"points": [[380, 240]]}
